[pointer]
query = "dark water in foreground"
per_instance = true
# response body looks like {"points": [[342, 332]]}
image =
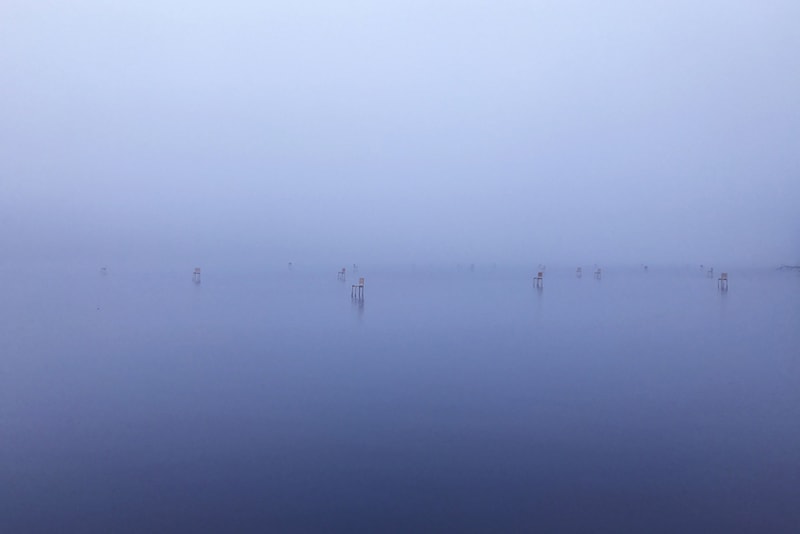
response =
{"points": [[459, 402]]}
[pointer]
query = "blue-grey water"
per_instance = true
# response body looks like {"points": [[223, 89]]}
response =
{"points": [[448, 401]]}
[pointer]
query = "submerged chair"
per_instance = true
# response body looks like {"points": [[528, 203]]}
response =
{"points": [[357, 290], [722, 282]]}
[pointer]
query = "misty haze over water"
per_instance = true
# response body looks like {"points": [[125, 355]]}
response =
{"points": [[450, 149], [512, 131]]}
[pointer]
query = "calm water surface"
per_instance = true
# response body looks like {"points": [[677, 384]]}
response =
{"points": [[461, 401]]}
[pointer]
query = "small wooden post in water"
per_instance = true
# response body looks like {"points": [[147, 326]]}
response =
{"points": [[357, 290], [722, 282], [538, 280], [196, 275]]}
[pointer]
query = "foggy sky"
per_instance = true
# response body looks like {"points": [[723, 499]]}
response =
{"points": [[414, 131]]}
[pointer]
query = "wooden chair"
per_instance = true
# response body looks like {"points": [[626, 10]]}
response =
{"points": [[357, 290], [722, 282]]}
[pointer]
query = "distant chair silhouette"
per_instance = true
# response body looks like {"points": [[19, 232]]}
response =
{"points": [[722, 282], [579, 272], [710, 273], [196, 275], [538, 280], [598, 274], [342, 275], [357, 290]]}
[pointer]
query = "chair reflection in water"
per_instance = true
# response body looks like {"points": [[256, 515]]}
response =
{"points": [[538, 280], [341, 275], [722, 282], [357, 290]]}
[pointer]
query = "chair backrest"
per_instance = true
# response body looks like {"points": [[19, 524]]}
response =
{"points": [[361, 281], [723, 276]]}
